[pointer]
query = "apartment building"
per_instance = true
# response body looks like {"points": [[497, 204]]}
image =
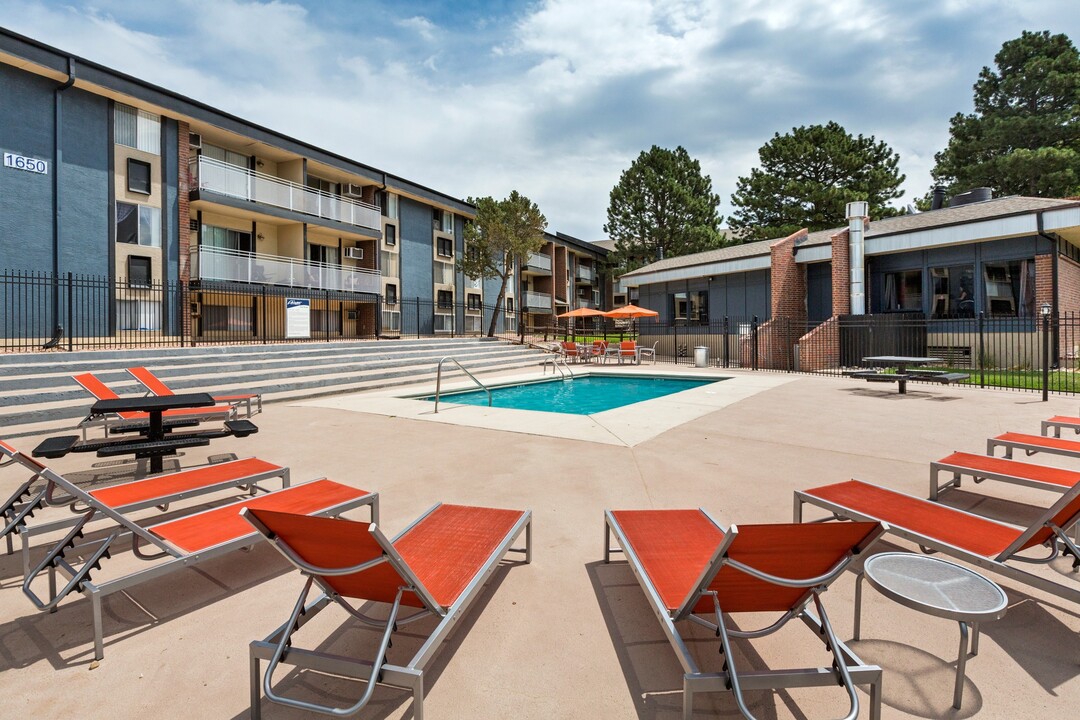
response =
{"points": [[106, 175], [565, 274]]}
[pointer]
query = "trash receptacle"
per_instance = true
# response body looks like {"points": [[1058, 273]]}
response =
{"points": [[701, 356]]}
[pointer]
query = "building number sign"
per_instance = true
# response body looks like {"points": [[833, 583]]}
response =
{"points": [[20, 162]]}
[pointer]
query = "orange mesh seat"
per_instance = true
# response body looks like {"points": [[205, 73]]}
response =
{"points": [[436, 566], [101, 391], [155, 386], [175, 485], [692, 568]]}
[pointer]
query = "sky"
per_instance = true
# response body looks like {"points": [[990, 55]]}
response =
{"points": [[556, 98]]}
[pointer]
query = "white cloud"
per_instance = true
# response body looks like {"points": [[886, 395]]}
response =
{"points": [[421, 25]]}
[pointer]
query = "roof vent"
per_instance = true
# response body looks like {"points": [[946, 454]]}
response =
{"points": [[938, 198], [980, 194]]}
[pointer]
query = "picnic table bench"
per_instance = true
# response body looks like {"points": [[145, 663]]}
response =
{"points": [[903, 373]]}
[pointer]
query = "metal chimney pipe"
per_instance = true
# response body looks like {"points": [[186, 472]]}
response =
{"points": [[856, 215]]}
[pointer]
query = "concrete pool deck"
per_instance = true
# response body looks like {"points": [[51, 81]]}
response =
{"points": [[567, 636]]}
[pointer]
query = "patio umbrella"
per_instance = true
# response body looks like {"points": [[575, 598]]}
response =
{"points": [[627, 312], [583, 312]]}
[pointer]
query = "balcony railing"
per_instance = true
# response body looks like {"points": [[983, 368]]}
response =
{"points": [[539, 262], [585, 274], [227, 179], [211, 263], [537, 301]]}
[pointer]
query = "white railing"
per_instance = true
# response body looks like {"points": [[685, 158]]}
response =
{"points": [[227, 179], [539, 261], [585, 273], [210, 263], [537, 301], [389, 263]]}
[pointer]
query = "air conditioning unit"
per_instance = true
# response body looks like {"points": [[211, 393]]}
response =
{"points": [[352, 190], [196, 309], [195, 140], [354, 253]]}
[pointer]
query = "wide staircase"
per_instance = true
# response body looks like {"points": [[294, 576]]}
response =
{"points": [[37, 394]]}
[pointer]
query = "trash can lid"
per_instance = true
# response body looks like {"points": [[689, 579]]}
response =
{"points": [[700, 347]]}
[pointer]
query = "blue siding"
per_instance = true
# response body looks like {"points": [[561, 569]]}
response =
{"points": [[84, 240], [417, 278]]}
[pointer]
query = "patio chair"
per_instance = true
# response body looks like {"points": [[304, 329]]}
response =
{"points": [[173, 544], [436, 566], [1032, 444], [179, 416], [1059, 423], [599, 349], [981, 467], [691, 568], [155, 386], [625, 351], [985, 543], [569, 351], [647, 351]]}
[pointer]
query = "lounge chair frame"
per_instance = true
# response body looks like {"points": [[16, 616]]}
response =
{"points": [[277, 647], [156, 386], [996, 564], [1059, 423], [1017, 473], [848, 670], [171, 558], [1032, 444]]}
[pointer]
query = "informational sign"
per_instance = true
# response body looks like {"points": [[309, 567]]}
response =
{"points": [[297, 318], [21, 162]]}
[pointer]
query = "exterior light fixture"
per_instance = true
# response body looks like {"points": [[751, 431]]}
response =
{"points": [[1045, 309]]}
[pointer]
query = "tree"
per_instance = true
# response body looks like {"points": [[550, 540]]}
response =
{"points": [[662, 204], [503, 234], [808, 176], [1024, 136]]}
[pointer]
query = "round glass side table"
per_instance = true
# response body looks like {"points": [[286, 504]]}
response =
{"points": [[935, 587]]}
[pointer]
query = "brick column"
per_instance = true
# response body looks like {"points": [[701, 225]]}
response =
{"points": [[841, 274]]}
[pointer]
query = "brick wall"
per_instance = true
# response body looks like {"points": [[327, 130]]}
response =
{"points": [[559, 271], [788, 279], [841, 274], [1068, 285], [819, 349]]}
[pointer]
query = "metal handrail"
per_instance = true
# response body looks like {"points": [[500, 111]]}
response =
{"points": [[438, 380], [556, 361]]}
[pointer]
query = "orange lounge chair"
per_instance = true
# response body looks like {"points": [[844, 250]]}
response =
{"points": [[982, 542], [1032, 444], [691, 568], [1059, 423], [101, 391], [982, 467], [155, 386], [174, 544], [437, 566]]}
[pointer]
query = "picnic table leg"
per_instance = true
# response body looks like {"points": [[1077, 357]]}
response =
{"points": [[901, 369], [156, 432]]}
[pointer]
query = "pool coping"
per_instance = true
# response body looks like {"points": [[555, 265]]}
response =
{"points": [[624, 426]]}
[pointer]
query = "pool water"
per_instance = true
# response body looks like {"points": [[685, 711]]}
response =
{"points": [[580, 396]]}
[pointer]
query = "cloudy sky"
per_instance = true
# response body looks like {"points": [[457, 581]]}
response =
{"points": [[556, 98]]}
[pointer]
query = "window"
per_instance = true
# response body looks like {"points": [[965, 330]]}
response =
{"points": [[903, 291], [317, 183], [137, 129], [390, 205], [1010, 288], [390, 235], [138, 271], [443, 221], [391, 294], [138, 315], [446, 247], [324, 254], [953, 291], [226, 239], [138, 176], [446, 299], [474, 301], [227, 318], [138, 224], [226, 156], [509, 304], [690, 308]]}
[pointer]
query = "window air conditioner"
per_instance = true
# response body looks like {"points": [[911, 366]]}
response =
{"points": [[195, 140], [354, 253], [352, 190]]}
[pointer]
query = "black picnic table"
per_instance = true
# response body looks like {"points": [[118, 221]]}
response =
{"points": [[153, 440], [900, 362]]}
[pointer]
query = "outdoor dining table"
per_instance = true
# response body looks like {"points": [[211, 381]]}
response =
{"points": [[901, 363], [154, 440]]}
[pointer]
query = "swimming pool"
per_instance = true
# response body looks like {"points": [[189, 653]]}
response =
{"points": [[580, 396]]}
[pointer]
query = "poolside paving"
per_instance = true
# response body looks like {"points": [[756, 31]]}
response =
{"points": [[567, 636]]}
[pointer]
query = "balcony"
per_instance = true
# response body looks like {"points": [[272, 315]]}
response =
{"points": [[537, 301], [210, 263], [237, 182], [585, 274], [538, 262]]}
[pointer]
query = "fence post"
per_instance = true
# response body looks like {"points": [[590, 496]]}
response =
{"points": [[417, 317], [70, 313], [753, 344], [724, 340], [674, 339], [982, 350], [265, 318], [1045, 356]]}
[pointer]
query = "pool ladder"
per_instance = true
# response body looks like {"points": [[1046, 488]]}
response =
{"points": [[438, 380], [557, 362]]}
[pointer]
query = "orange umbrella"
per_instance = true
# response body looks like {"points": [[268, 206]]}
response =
{"points": [[631, 311], [582, 312]]}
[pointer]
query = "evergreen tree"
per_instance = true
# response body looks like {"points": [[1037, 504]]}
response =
{"points": [[662, 204], [808, 176], [1024, 136], [503, 234]]}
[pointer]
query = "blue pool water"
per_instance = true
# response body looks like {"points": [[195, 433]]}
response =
{"points": [[581, 396]]}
